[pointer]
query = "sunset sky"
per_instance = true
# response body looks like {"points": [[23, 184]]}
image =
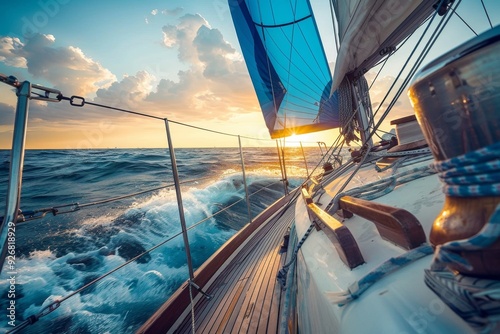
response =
{"points": [[174, 59]]}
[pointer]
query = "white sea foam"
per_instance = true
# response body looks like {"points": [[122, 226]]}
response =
{"points": [[101, 308]]}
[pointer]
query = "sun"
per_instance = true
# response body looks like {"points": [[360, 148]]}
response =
{"points": [[295, 140]]}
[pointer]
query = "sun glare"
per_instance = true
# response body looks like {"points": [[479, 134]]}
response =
{"points": [[295, 140]]}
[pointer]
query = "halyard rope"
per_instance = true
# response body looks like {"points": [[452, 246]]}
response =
{"points": [[381, 187], [395, 263], [192, 307]]}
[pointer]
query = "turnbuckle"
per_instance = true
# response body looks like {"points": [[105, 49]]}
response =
{"points": [[45, 94]]}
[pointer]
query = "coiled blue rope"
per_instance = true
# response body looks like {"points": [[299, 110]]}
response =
{"points": [[474, 174]]}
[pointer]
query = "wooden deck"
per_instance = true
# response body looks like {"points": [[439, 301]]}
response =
{"points": [[246, 296]]}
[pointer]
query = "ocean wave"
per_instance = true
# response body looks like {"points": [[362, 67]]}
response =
{"points": [[58, 255]]}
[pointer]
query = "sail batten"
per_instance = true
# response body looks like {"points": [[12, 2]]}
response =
{"points": [[282, 24], [287, 64]]}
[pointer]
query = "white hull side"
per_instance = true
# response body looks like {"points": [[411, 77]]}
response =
{"points": [[398, 303]]}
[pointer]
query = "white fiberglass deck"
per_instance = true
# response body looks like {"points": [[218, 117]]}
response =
{"points": [[399, 303]]}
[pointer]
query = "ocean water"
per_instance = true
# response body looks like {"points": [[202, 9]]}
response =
{"points": [[56, 255]]}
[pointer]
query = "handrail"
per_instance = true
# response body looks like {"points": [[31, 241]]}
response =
{"points": [[337, 232]]}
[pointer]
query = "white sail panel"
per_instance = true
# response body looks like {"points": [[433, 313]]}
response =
{"points": [[369, 29]]}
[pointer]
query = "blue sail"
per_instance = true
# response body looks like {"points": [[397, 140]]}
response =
{"points": [[287, 65]]}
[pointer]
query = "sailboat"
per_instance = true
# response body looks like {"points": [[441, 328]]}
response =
{"points": [[371, 244], [375, 246]]}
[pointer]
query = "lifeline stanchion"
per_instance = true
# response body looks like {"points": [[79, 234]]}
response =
{"points": [[180, 206], [16, 171], [247, 196]]}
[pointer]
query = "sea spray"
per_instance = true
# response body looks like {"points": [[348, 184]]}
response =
{"points": [[60, 254]]}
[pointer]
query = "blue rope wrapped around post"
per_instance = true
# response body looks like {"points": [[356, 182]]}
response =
{"points": [[474, 174]]}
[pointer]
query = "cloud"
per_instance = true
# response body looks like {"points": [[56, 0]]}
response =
{"points": [[165, 12], [67, 68], [182, 36], [168, 12], [214, 84], [6, 114], [212, 50], [129, 93], [11, 52], [172, 12]]}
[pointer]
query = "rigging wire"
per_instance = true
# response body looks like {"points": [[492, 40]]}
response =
{"points": [[430, 42], [335, 33], [372, 119], [487, 15], [384, 61], [84, 102], [419, 60], [468, 26], [77, 206]]}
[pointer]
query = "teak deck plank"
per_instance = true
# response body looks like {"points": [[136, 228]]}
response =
{"points": [[257, 294], [268, 304], [246, 295], [242, 279], [248, 300], [247, 279], [231, 280]]}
